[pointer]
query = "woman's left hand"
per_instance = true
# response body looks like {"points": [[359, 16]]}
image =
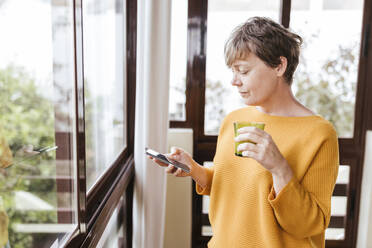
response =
{"points": [[264, 151]]}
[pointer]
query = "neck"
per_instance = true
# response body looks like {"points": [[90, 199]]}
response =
{"points": [[282, 102]]}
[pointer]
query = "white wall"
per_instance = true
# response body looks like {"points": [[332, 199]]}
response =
{"points": [[365, 214], [177, 230]]}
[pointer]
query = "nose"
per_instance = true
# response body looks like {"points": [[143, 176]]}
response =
{"points": [[236, 80]]}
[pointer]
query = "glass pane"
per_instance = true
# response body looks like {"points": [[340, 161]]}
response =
{"points": [[223, 16], [178, 61], [37, 159], [105, 84], [300, 5], [113, 236], [207, 231], [205, 203], [326, 78], [343, 174], [338, 205], [335, 233]]}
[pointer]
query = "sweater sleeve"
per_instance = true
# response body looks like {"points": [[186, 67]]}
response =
{"points": [[303, 209], [210, 171], [206, 190]]}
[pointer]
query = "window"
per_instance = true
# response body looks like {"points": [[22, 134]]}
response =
{"points": [[105, 84], [37, 121], [113, 236], [66, 120], [332, 82], [178, 59], [326, 78]]}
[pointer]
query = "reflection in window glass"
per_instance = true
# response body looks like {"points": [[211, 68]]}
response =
{"points": [[113, 236], [105, 84], [37, 193], [326, 78], [223, 16], [178, 59]]}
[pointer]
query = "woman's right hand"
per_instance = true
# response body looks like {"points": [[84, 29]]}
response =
{"points": [[181, 156]]}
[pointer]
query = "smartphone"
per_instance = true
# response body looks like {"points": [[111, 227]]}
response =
{"points": [[166, 160]]}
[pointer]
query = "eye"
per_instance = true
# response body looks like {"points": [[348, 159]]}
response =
{"points": [[244, 72]]}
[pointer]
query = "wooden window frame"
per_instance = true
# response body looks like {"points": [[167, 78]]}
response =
{"points": [[204, 146], [95, 209]]}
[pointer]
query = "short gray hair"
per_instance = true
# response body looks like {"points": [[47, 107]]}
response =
{"points": [[268, 40]]}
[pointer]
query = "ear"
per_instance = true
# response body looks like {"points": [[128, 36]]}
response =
{"points": [[280, 69]]}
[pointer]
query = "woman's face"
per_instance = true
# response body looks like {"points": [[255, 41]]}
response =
{"points": [[255, 81]]}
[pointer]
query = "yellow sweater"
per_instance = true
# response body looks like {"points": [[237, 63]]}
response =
{"points": [[243, 210]]}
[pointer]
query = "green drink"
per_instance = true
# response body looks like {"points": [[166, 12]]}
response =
{"points": [[240, 124]]}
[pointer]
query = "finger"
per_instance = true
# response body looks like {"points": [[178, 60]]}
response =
{"points": [[248, 137], [29, 148], [174, 156], [178, 172], [160, 162], [252, 129], [171, 169], [175, 150], [249, 154], [32, 153], [172, 153], [248, 147]]}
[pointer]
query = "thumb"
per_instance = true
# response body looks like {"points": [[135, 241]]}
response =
{"points": [[175, 150]]}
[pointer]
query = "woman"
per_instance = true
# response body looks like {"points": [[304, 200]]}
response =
{"points": [[279, 193]]}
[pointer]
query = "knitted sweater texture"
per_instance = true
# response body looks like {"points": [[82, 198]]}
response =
{"points": [[244, 211]]}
